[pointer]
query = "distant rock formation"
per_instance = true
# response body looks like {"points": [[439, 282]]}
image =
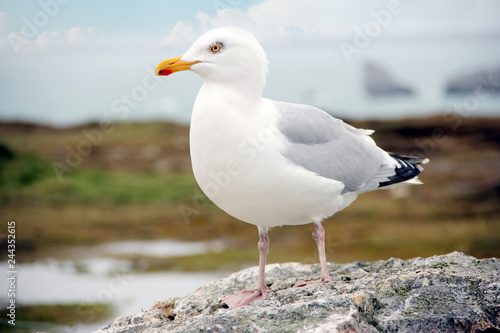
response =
{"points": [[378, 82], [486, 80], [448, 293]]}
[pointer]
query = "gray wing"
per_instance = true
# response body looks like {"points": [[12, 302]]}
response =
{"points": [[332, 149]]}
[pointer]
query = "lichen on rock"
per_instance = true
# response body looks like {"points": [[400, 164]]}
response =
{"points": [[447, 293]]}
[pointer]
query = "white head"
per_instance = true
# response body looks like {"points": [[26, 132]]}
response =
{"points": [[230, 56]]}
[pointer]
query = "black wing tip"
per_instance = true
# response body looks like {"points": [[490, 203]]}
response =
{"points": [[409, 168], [414, 160]]}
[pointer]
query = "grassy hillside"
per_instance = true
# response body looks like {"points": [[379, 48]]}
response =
{"points": [[88, 185]]}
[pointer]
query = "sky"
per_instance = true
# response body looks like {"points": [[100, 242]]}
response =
{"points": [[68, 62]]}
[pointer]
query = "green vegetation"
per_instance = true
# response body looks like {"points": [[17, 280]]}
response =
{"points": [[30, 178], [29, 318], [137, 184]]}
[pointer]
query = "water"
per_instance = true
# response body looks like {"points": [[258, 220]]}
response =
{"points": [[161, 248], [332, 83], [317, 74], [92, 276], [54, 282]]}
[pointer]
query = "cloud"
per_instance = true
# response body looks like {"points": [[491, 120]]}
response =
{"points": [[3, 34], [283, 21], [32, 38], [308, 17], [181, 36], [76, 36], [271, 21], [36, 41]]}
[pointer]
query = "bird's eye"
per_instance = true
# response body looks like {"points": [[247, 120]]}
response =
{"points": [[215, 48]]}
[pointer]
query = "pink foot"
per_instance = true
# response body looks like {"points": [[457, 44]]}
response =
{"points": [[299, 284], [244, 297]]}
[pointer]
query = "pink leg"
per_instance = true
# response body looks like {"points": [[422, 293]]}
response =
{"points": [[319, 237], [247, 296]]}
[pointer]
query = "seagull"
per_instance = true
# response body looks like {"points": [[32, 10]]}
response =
{"points": [[273, 163]]}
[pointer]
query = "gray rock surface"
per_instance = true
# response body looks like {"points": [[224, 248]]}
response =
{"points": [[379, 82], [448, 293], [481, 83]]}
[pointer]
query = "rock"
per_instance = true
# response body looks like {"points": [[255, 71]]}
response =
{"points": [[482, 83], [378, 82], [448, 293]]}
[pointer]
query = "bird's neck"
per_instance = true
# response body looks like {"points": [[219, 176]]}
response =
{"points": [[236, 93], [246, 83]]}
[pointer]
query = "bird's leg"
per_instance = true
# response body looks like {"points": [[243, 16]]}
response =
{"points": [[247, 296], [319, 237], [263, 250]]}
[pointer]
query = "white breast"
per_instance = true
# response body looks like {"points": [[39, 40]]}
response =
{"points": [[237, 161]]}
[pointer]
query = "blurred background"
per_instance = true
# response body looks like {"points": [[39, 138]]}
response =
{"points": [[94, 151]]}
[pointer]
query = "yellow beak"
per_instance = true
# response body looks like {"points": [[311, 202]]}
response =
{"points": [[173, 65]]}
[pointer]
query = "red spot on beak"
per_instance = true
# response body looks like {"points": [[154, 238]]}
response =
{"points": [[165, 72]]}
